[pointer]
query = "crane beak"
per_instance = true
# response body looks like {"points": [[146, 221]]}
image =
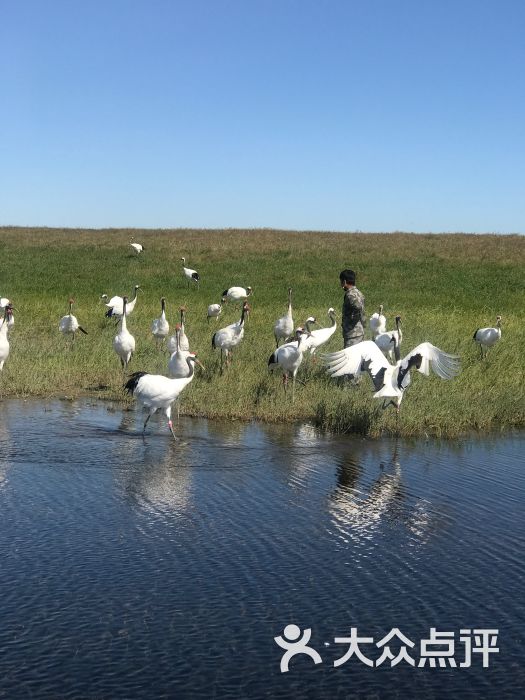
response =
{"points": [[198, 362]]}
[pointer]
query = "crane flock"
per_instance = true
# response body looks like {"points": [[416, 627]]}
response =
{"points": [[390, 377]]}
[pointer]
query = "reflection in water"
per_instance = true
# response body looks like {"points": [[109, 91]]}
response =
{"points": [[157, 568], [5, 449], [163, 484], [358, 508]]}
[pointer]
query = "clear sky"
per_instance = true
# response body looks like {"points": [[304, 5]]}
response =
{"points": [[373, 115]]}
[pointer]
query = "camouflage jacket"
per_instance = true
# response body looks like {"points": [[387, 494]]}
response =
{"points": [[354, 320]]}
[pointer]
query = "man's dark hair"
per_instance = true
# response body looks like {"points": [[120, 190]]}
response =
{"points": [[347, 276]]}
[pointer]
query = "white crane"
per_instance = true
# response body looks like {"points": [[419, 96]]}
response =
{"points": [[214, 311], [4, 342], [487, 337], [236, 294], [177, 365], [377, 322], [3, 304], [137, 247], [230, 336], [155, 391], [390, 381], [390, 340], [189, 274], [115, 304], [182, 341], [284, 326], [160, 326], [288, 358], [321, 335], [124, 342], [69, 324]]}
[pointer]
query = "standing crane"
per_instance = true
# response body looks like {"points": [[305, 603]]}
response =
{"points": [[155, 391], [160, 326], [124, 342], [137, 247], [69, 323], [283, 327], [4, 342], [230, 336], [289, 357], [189, 274], [487, 337]]}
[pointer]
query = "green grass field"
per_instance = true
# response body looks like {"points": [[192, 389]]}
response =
{"points": [[443, 286]]}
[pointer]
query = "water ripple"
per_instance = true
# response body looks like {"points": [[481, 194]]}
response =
{"points": [[147, 568]]}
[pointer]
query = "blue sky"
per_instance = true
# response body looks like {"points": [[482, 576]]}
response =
{"points": [[373, 115]]}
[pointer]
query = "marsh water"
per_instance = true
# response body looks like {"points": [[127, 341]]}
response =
{"points": [[156, 569]]}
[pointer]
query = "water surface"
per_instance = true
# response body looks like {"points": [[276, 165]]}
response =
{"points": [[156, 569]]}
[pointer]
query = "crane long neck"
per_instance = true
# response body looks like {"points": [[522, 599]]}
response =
{"points": [[123, 326], [300, 341], [399, 331], [397, 352]]}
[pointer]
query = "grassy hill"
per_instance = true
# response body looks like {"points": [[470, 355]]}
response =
{"points": [[443, 286]]}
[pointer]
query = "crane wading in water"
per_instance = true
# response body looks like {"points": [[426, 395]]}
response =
{"points": [[155, 391]]}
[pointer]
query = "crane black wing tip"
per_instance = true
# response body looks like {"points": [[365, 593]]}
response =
{"points": [[475, 334], [213, 341], [195, 276], [82, 330], [132, 382], [109, 313]]}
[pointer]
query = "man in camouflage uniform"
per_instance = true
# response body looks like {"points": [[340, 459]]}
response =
{"points": [[353, 320]]}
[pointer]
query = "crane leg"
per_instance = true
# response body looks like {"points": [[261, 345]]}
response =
{"points": [[293, 388], [146, 422], [170, 425]]}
